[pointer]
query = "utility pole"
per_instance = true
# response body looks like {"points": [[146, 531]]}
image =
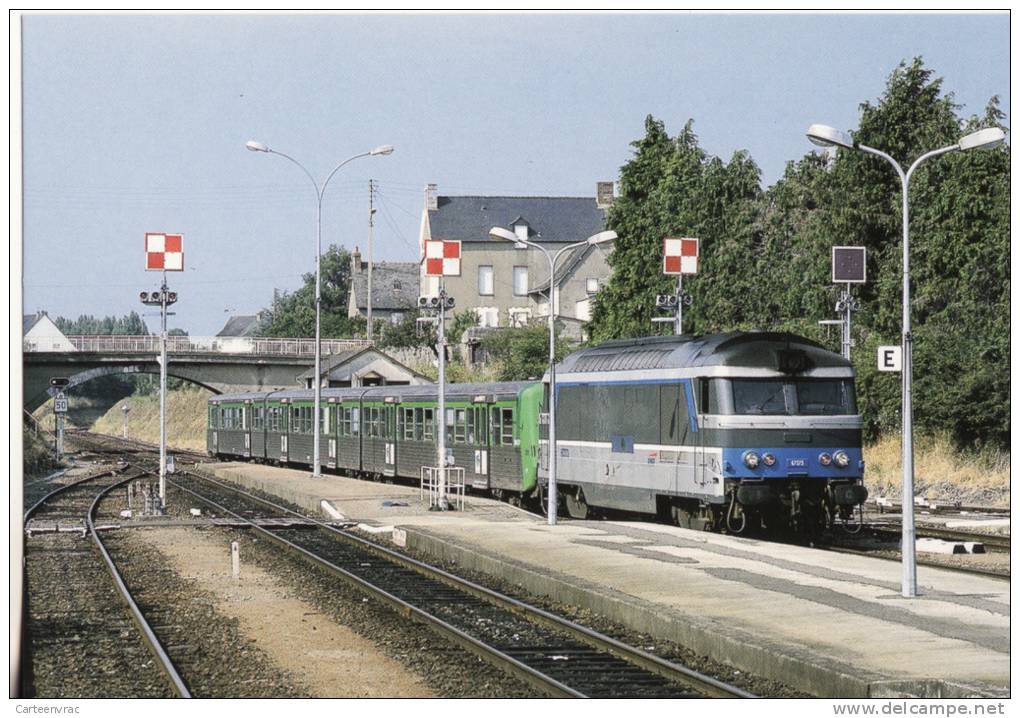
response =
{"points": [[371, 212]]}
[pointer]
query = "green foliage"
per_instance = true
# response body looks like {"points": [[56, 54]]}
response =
{"points": [[407, 334], [38, 454], [523, 353], [294, 313], [673, 189], [129, 324], [765, 255]]}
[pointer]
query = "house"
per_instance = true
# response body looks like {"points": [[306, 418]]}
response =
{"points": [[40, 334], [243, 325], [394, 289], [507, 283], [362, 367]]}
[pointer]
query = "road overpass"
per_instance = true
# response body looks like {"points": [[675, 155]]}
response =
{"points": [[221, 364]]}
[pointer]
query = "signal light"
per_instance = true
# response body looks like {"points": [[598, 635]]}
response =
{"points": [[449, 302], [666, 301], [59, 381], [144, 296], [171, 297]]}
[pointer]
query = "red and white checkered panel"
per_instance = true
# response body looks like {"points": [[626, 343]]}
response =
{"points": [[164, 252], [442, 258], [679, 256]]}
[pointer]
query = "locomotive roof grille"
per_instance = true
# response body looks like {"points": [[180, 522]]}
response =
{"points": [[768, 350]]}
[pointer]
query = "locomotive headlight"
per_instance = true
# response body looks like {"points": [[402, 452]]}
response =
{"points": [[841, 459], [768, 459], [824, 459], [751, 459]]}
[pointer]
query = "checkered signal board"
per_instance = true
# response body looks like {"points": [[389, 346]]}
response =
{"points": [[679, 255], [442, 258], [164, 252]]}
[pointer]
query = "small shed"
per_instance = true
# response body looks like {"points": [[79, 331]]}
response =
{"points": [[367, 366]]}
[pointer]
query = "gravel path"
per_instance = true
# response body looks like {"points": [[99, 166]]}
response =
{"points": [[211, 653]]}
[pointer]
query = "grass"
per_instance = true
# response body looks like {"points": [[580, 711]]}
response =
{"points": [[942, 473], [186, 413]]}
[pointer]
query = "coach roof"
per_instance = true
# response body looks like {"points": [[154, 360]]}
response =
{"points": [[745, 349]]}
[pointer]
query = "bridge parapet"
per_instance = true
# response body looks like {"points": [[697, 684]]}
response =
{"points": [[256, 346]]}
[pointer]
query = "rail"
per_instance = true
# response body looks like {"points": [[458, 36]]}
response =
{"points": [[260, 346]]}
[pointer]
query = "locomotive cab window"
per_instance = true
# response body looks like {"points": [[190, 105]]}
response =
{"points": [[800, 396]]}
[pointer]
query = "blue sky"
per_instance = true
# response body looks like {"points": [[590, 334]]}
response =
{"points": [[136, 123]]}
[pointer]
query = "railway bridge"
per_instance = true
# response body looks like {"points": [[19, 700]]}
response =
{"points": [[221, 364]]}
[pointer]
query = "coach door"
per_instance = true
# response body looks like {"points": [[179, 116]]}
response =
{"points": [[390, 437], [246, 419], [478, 440]]}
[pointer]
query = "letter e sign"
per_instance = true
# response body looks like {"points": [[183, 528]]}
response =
{"points": [[890, 358]]}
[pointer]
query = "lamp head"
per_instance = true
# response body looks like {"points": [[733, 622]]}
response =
{"points": [[503, 233], [825, 136], [256, 146], [607, 236], [984, 139], [382, 150]]}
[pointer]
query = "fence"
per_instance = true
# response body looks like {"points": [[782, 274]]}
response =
{"points": [[430, 478], [261, 346]]}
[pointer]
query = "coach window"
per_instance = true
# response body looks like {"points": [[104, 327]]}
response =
{"points": [[429, 426], [324, 412], [460, 426], [407, 416], [506, 427]]}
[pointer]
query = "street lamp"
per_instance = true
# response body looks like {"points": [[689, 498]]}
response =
{"points": [[825, 136], [319, 191], [505, 234]]}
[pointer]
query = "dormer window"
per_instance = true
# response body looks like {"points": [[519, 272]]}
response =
{"points": [[521, 230]]}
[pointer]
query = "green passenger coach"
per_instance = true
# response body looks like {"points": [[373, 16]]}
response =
{"points": [[492, 431]]}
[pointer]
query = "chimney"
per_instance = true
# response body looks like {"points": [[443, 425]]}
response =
{"points": [[431, 197], [356, 260], [604, 192]]}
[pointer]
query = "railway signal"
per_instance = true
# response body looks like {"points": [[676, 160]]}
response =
{"points": [[679, 257], [163, 253], [59, 411], [849, 266], [442, 259]]}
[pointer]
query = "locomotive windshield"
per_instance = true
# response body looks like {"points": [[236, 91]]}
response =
{"points": [[799, 396]]}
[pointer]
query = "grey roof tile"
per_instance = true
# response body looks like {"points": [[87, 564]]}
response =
{"points": [[550, 219], [394, 285]]}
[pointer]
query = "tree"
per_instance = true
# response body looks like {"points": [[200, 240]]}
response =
{"points": [[86, 324], [294, 313], [766, 254], [672, 188], [523, 353]]}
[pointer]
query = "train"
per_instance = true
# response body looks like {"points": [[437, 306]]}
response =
{"points": [[729, 432]]}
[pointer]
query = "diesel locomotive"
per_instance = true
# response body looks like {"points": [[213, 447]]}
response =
{"points": [[720, 432]]}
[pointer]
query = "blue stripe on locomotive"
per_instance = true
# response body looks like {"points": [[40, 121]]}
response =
{"points": [[786, 465]]}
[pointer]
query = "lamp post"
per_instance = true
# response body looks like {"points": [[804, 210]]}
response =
{"points": [[319, 192], [501, 233], [825, 136]]}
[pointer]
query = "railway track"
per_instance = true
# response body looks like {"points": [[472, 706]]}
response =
{"points": [[553, 655], [80, 641], [991, 542]]}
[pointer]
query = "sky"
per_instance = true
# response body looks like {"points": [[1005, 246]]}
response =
{"points": [[137, 123]]}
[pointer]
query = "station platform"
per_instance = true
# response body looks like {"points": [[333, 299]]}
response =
{"points": [[829, 624]]}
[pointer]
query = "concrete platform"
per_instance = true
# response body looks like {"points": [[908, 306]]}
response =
{"points": [[830, 624]]}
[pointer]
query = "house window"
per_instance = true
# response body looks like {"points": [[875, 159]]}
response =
{"points": [[591, 285], [485, 287], [487, 316], [520, 281], [519, 316]]}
